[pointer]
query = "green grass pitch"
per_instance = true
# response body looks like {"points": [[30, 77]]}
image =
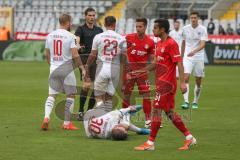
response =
{"points": [[24, 88]]}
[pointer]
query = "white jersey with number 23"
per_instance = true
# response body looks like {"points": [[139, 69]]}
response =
{"points": [[109, 45]]}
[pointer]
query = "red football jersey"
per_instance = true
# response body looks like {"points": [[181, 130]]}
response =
{"points": [[139, 50], [167, 54]]}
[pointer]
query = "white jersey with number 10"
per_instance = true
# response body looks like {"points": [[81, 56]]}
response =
{"points": [[60, 42]]}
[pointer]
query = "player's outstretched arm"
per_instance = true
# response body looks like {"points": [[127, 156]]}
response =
{"points": [[181, 77], [124, 61], [91, 59], [152, 64], [199, 48], [146, 69], [79, 47], [78, 61], [140, 131], [131, 109], [183, 48], [47, 54]]}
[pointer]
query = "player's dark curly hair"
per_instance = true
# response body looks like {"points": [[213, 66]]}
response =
{"points": [[119, 135], [163, 23]]}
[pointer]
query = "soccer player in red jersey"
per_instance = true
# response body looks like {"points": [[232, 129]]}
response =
{"points": [[140, 51], [166, 59]]}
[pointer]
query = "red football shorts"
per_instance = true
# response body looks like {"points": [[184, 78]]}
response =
{"points": [[165, 102], [142, 82]]}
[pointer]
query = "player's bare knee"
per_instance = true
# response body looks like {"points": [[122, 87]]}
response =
{"points": [[157, 112], [186, 78], [71, 96], [52, 95], [108, 96], [146, 95], [170, 114], [198, 81]]}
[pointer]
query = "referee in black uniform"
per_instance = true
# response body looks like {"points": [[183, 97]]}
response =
{"points": [[85, 35]]}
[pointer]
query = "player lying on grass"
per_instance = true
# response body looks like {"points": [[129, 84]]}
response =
{"points": [[61, 52], [112, 125]]}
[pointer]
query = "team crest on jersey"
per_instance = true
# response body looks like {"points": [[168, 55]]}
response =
{"points": [[199, 33], [146, 46], [160, 58], [162, 50]]}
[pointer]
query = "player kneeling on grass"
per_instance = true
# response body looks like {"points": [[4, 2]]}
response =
{"points": [[61, 52], [114, 124]]}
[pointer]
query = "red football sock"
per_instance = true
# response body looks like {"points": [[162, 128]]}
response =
{"points": [[125, 103], [155, 125], [147, 108], [177, 121]]}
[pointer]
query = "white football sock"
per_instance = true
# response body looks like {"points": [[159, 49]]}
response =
{"points": [[68, 106], [189, 137], [197, 92], [150, 142], [108, 105], [186, 95], [49, 106]]}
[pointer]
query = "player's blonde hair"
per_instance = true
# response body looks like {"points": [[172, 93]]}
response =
{"points": [[64, 18]]}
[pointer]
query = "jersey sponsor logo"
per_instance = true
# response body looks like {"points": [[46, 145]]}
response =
{"points": [[146, 46], [139, 53]]}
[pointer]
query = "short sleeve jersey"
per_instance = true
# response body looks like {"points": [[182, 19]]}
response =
{"points": [[192, 37], [177, 36], [109, 45], [101, 127], [60, 42], [167, 55], [139, 50], [86, 35]]}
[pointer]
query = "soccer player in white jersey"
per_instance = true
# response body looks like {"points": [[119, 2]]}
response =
{"points": [[115, 124], [61, 51], [194, 38], [176, 34], [108, 47]]}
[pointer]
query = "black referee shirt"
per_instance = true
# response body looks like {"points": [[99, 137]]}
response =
{"points": [[86, 36]]}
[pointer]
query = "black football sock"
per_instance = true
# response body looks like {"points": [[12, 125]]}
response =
{"points": [[92, 101], [82, 100]]}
